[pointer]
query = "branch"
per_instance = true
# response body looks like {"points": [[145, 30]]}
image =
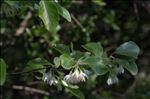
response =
{"points": [[29, 71], [23, 24], [136, 9], [29, 89], [77, 22]]}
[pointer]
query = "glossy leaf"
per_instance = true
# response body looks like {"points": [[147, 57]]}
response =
{"points": [[2, 71], [128, 49], [66, 61], [95, 48], [49, 15]]}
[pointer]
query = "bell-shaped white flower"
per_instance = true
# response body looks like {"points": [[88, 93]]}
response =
{"points": [[112, 80], [49, 79], [75, 77]]}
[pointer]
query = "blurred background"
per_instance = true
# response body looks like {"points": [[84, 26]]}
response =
{"points": [[112, 22]]}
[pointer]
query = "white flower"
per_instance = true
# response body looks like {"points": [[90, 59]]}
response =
{"points": [[75, 77], [49, 78], [112, 80]]}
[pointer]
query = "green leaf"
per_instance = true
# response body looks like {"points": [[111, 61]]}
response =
{"points": [[132, 68], [57, 62], [77, 93], [37, 64], [92, 60], [100, 69], [95, 48], [63, 49], [63, 12], [2, 71], [122, 62], [77, 55], [49, 15], [66, 61], [96, 64], [128, 49]]}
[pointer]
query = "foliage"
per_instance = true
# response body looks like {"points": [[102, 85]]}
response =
{"points": [[74, 57]]}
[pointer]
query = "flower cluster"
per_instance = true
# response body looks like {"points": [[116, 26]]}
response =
{"points": [[49, 78], [112, 80], [75, 77]]}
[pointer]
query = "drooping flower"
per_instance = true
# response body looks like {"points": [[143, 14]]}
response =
{"points": [[112, 80], [49, 79], [75, 77]]}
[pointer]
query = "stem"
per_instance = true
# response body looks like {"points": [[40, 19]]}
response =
{"points": [[29, 89], [29, 71]]}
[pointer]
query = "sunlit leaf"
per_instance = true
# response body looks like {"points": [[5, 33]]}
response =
{"points": [[63, 12], [49, 15]]}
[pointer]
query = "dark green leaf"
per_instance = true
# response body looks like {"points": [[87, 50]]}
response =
{"points": [[92, 60], [128, 49], [100, 69], [122, 62], [49, 15], [66, 61], [77, 54], [37, 64], [2, 71], [132, 68], [63, 49], [95, 48], [77, 93]]}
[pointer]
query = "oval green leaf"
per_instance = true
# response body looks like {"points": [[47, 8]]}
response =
{"points": [[66, 61], [132, 68], [128, 49]]}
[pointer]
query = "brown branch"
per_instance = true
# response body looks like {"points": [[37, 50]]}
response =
{"points": [[77, 22], [136, 9], [29, 89], [23, 24], [28, 71]]}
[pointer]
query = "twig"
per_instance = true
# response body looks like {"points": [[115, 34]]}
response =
{"points": [[29, 71], [136, 9], [77, 22], [29, 89], [23, 24]]}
